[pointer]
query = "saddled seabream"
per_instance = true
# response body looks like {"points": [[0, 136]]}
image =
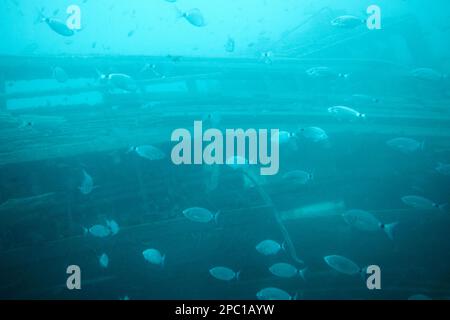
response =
{"points": [[343, 265], [365, 221], [269, 247], [347, 22], [286, 270], [87, 185], [343, 112], [273, 293], [224, 273], [154, 256], [58, 26], [119, 81], [103, 260], [427, 74], [149, 152], [113, 226], [202, 215], [98, 231], [419, 202], [324, 73], [321, 209], [193, 16], [298, 177], [313, 134], [405, 145]]}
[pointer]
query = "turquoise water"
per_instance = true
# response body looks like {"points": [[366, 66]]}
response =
{"points": [[88, 176]]}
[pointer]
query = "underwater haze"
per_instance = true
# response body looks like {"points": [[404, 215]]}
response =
{"points": [[321, 169]]}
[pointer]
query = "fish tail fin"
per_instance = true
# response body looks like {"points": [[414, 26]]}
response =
{"points": [[238, 275], [422, 145], [100, 75], [311, 175], [302, 273], [163, 261], [85, 231], [283, 246], [178, 12], [443, 207], [216, 217], [131, 149], [390, 229], [40, 17], [98, 72], [363, 273]]}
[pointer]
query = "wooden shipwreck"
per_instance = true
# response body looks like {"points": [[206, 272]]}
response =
{"points": [[83, 124]]}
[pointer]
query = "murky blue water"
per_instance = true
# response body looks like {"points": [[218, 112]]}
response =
{"points": [[79, 109]]}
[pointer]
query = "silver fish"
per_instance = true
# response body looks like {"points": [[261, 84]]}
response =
{"points": [[193, 16], [119, 81], [202, 215], [149, 152], [324, 73], [57, 26], [298, 177], [342, 264], [272, 293], [285, 270], [365, 221], [343, 112], [405, 145], [321, 209], [113, 226], [427, 74], [153, 256], [269, 247], [314, 134], [224, 273], [87, 185], [98, 231], [419, 202], [104, 260], [347, 22]]}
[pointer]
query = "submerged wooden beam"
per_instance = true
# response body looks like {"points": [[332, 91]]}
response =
{"points": [[69, 90]]}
